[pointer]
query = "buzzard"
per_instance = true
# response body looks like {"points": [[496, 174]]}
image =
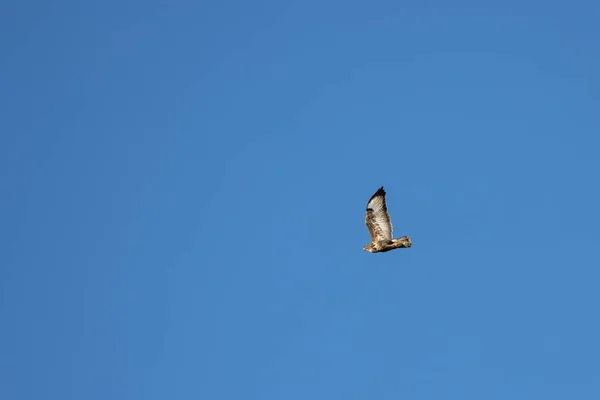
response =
{"points": [[380, 226]]}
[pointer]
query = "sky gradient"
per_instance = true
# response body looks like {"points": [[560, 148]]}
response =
{"points": [[184, 187]]}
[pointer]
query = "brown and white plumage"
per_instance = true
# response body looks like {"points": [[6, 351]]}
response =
{"points": [[379, 223]]}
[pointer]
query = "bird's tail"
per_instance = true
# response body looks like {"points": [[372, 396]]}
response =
{"points": [[404, 241]]}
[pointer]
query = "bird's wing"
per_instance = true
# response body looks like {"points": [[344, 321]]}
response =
{"points": [[377, 217]]}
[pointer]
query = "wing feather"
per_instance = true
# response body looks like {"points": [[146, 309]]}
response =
{"points": [[377, 217]]}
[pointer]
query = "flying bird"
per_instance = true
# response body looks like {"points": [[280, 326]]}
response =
{"points": [[380, 226]]}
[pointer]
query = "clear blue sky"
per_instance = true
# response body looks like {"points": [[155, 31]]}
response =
{"points": [[184, 186]]}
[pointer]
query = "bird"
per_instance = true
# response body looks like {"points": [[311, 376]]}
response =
{"points": [[379, 224]]}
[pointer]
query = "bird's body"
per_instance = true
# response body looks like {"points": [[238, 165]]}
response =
{"points": [[379, 224]]}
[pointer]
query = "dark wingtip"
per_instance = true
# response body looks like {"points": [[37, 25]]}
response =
{"points": [[379, 192]]}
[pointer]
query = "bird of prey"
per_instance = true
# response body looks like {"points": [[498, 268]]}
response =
{"points": [[380, 226]]}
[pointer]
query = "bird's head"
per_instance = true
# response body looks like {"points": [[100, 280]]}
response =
{"points": [[368, 248]]}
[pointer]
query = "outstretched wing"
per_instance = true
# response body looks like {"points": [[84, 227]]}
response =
{"points": [[377, 217]]}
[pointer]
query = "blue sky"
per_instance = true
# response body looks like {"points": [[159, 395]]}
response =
{"points": [[184, 187]]}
